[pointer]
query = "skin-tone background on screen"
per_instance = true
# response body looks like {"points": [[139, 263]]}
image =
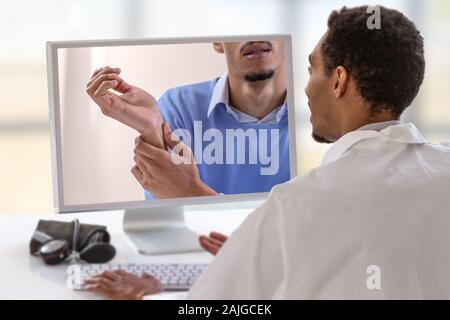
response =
{"points": [[97, 151]]}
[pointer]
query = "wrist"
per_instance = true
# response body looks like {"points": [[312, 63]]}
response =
{"points": [[152, 132]]}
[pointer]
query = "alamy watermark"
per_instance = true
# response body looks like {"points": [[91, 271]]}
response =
{"points": [[234, 146], [374, 21], [373, 281]]}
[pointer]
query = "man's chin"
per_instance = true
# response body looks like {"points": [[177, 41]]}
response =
{"points": [[259, 76], [320, 139]]}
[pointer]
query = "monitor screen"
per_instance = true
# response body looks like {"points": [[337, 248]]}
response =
{"points": [[226, 101]]}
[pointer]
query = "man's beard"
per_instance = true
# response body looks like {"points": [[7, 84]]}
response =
{"points": [[320, 139], [260, 76]]}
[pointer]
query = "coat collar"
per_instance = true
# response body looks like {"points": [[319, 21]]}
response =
{"points": [[405, 133]]}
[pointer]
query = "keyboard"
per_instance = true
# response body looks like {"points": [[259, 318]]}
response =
{"points": [[172, 276]]}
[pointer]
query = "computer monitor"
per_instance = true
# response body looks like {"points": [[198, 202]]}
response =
{"points": [[229, 99]]}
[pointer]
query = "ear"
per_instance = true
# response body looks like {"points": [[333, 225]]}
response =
{"points": [[218, 46], [340, 81]]}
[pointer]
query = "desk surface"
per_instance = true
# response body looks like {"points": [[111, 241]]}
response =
{"points": [[23, 276]]}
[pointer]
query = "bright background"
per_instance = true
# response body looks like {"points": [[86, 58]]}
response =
{"points": [[25, 26]]}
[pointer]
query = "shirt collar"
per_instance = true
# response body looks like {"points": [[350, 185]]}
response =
{"points": [[400, 132], [378, 126], [220, 96]]}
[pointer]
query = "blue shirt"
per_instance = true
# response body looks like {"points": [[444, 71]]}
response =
{"points": [[234, 152]]}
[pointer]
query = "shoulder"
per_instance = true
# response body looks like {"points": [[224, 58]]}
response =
{"points": [[307, 192], [307, 186]]}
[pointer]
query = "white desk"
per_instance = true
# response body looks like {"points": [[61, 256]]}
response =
{"points": [[23, 276]]}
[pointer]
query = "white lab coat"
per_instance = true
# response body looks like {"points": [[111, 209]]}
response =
{"points": [[379, 199]]}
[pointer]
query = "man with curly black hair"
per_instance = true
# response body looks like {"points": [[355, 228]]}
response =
{"points": [[372, 222], [361, 76]]}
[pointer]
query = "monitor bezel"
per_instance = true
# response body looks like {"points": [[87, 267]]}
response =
{"points": [[55, 123]]}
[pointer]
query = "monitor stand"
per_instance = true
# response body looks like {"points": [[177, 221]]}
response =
{"points": [[159, 230]]}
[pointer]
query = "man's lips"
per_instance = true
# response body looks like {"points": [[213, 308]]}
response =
{"points": [[256, 55], [257, 50]]}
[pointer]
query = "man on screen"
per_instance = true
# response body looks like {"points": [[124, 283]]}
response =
{"points": [[236, 125]]}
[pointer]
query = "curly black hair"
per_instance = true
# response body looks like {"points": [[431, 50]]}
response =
{"points": [[387, 64]]}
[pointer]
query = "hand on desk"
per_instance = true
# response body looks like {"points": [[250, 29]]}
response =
{"points": [[168, 174], [135, 107], [121, 285]]}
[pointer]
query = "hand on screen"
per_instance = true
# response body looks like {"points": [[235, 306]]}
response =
{"points": [[121, 285], [213, 242], [134, 107], [168, 174]]}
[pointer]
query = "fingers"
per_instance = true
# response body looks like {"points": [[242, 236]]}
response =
{"points": [[106, 69], [106, 278], [99, 280], [108, 75], [170, 139], [147, 276], [182, 154], [143, 163], [93, 86], [136, 140], [110, 275], [213, 243], [212, 246], [100, 289], [96, 71], [105, 86], [123, 87], [116, 284], [123, 273], [144, 170], [174, 143], [140, 153], [102, 284], [103, 70], [218, 236], [150, 151], [137, 173]]}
